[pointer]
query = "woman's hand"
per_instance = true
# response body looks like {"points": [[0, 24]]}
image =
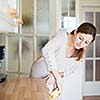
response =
{"points": [[53, 84], [57, 87], [50, 82], [57, 91]]}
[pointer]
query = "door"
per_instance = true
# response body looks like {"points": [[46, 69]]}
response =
{"points": [[25, 46], [40, 22], [91, 84]]}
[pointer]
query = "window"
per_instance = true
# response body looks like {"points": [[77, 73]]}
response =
{"points": [[68, 15]]}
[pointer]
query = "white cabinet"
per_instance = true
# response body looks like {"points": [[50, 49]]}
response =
{"points": [[7, 22]]}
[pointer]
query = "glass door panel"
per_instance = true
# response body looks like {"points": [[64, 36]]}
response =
{"points": [[98, 46], [89, 70], [72, 8], [27, 16], [89, 17], [41, 41], [89, 52], [97, 76], [64, 7], [42, 17], [98, 22], [27, 54], [13, 53]]}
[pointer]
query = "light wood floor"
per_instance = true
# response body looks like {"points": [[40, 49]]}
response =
{"points": [[91, 98]]}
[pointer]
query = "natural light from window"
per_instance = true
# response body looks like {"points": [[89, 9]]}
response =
{"points": [[68, 23]]}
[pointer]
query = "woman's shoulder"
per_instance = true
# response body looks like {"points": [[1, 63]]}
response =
{"points": [[61, 34]]}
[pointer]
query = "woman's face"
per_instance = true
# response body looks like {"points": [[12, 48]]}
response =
{"points": [[82, 40]]}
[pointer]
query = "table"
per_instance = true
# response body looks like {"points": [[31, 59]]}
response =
{"points": [[24, 89]]}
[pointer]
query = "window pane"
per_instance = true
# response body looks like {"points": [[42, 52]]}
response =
{"points": [[64, 7], [10, 75], [41, 41], [13, 53], [98, 46], [98, 21], [97, 70], [42, 18], [89, 70], [69, 23], [27, 16], [27, 54], [72, 8], [89, 17], [89, 52]]}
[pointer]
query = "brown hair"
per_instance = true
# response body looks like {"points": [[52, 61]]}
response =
{"points": [[86, 28]]}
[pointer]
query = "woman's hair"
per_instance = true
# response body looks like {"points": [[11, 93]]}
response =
{"points": [[86, 28]]}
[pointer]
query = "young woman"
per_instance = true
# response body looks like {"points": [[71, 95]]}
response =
{"points": [[62, 54]]}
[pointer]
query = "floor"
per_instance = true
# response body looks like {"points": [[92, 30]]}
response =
{"points": [[91, 98]]}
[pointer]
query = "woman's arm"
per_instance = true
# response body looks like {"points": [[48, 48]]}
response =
{"points": [[49, 54], [50, 49]]}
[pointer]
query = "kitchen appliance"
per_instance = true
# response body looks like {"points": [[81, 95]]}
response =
{"points": [[3, 75]]}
